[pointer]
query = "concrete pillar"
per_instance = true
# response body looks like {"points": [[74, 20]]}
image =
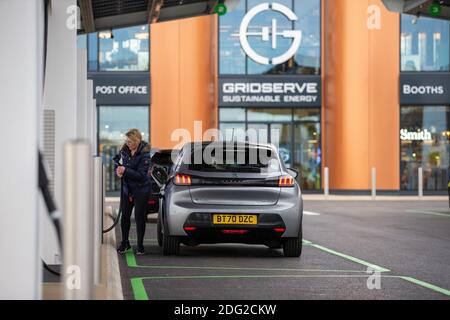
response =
{"points": [[21, 57]]}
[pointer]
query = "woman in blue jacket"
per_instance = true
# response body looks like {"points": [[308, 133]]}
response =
{"points": [[136, 187]]}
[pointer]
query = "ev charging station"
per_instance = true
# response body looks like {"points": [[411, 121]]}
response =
{"points": [[47, 104], [21, 76], [55, 88]]}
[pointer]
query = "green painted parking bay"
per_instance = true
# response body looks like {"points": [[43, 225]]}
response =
{"points": [[233, 271], [333, 265], [276, 287]]}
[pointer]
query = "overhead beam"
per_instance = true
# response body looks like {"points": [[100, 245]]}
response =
{"points": [[154, 10], [211, 5], [414, 4], [87, 15]]}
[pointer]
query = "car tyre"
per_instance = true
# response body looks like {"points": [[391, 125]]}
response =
{"points": [[170, 244], [159, 234], [292, 247]]}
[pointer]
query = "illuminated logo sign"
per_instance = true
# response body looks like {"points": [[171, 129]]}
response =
{"points": [[266, 32], [408, 89], [420, 135], [273, 91], [111, 88], [121, 90], [424, 88]]}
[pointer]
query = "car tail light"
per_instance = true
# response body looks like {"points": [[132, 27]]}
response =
{"points": [[280, 230], [190, 228], [234, 231], [183, 180], [151, 202], [286, 181]]}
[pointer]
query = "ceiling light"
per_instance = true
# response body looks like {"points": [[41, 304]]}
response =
{"points": [[105, 34]]}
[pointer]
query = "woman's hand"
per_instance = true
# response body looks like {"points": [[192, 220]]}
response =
{"points": [[119, 171]]}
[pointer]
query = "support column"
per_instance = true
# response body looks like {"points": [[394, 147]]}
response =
{"points": [[60, 95], [21, 57], [184, 77], [361, 108]]}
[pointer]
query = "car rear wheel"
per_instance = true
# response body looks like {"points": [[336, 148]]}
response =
{"points": [[292, 247], [159, 234], [170, 244]]}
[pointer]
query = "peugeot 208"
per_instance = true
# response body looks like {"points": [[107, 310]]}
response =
{"points": [[219, 192]]}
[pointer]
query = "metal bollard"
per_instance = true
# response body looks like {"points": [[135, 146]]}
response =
{"points": [[420, 182], [98, 215], [326, 182], [448, 187], [78, 222], [374, 183], [104, 196]]}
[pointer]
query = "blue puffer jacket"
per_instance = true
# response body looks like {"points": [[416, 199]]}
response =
{"points": [[135, 178]]}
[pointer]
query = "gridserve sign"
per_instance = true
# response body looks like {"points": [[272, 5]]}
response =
{"points": [[270, 90], [273, 91]]}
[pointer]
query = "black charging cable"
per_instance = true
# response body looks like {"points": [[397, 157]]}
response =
{"points": [[43, 181], [116, 220], [52, 211]]}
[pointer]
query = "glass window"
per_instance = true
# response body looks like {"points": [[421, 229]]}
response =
{"points": [[307, 59], [425, 142], [307, 155], [281, 136], [231, 55], [127, 50], [232, 114], [114, 122], [233, 131], [233, 60], [269, 115], [307, 115], [226, 159], [262, 46], [298, 138], [258, 133], [93, 51], [424, 44], [81, 41]]}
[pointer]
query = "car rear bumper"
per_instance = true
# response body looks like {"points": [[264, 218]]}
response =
{"points": [[200, 228], [179, 210]]}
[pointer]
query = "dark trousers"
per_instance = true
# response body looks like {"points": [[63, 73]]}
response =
{"points": [[139, 203]]}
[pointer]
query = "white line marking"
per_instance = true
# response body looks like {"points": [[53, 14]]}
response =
{"points": [[429, 213], [309, 213]]}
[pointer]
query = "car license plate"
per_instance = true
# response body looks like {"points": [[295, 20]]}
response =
{"points": [[249, 219]]}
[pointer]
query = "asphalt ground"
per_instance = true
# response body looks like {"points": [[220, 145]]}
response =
{"points": [[404, 244]]}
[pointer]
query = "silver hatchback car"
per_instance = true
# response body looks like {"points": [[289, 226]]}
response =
{"points": [[218, 192]]}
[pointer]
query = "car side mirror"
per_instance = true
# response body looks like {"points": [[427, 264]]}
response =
{"points": [[293, 172]]}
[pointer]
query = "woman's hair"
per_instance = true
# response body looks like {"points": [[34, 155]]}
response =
{"points": [[134, 135]]}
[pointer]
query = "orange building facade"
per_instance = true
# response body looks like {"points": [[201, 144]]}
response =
{"points": [[360, 112], [350, 71]]}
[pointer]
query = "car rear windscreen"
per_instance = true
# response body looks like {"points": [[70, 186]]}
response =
{"points": [[243, 160]]}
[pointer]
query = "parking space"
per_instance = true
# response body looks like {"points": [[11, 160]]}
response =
{"points": [[408, 251]]}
